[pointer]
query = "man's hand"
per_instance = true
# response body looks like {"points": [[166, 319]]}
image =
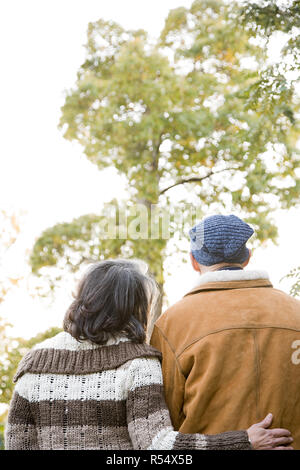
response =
{"points": [[263, 438]]}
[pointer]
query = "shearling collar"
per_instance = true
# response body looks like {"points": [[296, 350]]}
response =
{"points": [[216, 280], [223, 276]]}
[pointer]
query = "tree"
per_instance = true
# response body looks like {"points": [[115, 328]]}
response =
{"points": [[179, 113], [266, 19], [276, 85]]}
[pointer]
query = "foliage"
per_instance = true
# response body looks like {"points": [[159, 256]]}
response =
{"points": [[269, 16], [295, 275], [276, 86], [9, 231], [11, 349], [11, 352], [187, 111], [92, 237], [1, 435], [267, 19]]}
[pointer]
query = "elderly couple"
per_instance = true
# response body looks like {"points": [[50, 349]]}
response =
{"points": [[224, 362]]}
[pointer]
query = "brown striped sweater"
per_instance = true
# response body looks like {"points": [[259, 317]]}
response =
{"points": [[76, 396]]}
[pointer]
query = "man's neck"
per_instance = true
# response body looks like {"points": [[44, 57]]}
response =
{"points": [[220, 267]]}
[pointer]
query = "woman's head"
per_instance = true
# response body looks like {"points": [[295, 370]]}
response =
{"points": [[114, 297]]}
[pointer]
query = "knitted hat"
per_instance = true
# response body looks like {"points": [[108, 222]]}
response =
{"points": [[220, 238]]}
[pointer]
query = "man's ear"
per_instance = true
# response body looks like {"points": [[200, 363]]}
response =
{"points": [[247, 260], [195, 265]]}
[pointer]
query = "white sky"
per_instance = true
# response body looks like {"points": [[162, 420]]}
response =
{"points": [[46, 176]]}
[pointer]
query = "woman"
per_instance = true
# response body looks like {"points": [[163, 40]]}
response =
{"points": [[98, 385]]}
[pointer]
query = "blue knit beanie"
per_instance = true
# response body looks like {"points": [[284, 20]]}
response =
{"points": [[220, 238]]}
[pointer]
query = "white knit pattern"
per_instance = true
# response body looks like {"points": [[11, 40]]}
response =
{"points": [[144, 371], [111, 384], [164, 439]]}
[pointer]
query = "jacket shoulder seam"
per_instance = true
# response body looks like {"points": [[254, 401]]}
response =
{"points": [[246, 327], [171, 348]]}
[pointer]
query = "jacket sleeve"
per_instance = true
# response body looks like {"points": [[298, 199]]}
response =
{"points": [[20, 430], [148, 418], [174, 380]]}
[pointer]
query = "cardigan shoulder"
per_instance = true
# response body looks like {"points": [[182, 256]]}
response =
{"points": [[62, 354]]}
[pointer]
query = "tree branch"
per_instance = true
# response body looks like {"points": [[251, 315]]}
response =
{"points": [[194, 179], [155, 152]]}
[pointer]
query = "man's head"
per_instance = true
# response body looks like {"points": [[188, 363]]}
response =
{"points": [[220, 240]]}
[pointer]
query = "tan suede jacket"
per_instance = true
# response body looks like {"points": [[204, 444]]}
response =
{"points": [[231, 354]]}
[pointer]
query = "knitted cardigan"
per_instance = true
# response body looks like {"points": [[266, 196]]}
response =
{"points": [[77, 395]]}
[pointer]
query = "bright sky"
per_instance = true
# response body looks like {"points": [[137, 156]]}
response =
{"points": [[48, 177]]}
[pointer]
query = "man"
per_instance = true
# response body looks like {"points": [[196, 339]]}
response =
{"points": [[231, 346]]}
